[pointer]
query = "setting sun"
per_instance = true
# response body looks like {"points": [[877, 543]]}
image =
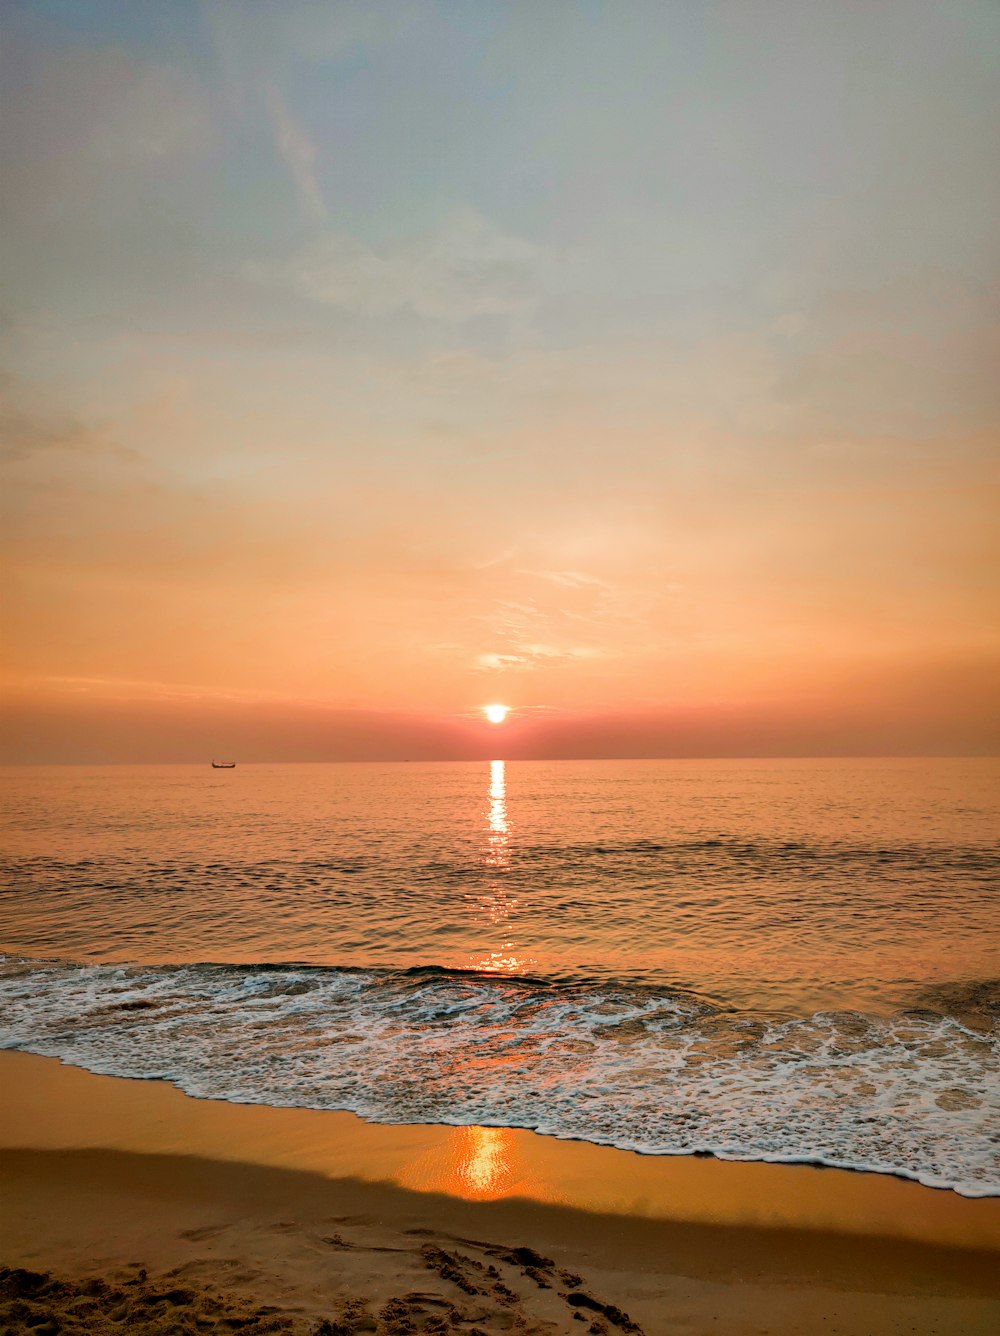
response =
{"points": [[496, 714]]}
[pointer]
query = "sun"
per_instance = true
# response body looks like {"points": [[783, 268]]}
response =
{"points": [[496, 714]]}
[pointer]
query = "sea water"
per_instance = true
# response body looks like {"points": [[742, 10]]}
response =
{"points": [[769, 960]]}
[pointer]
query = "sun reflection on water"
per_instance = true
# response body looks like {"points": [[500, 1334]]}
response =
{"points": [[497, 905], [498, 850]]}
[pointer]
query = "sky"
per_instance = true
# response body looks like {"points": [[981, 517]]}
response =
{"points": [[630, 364]]}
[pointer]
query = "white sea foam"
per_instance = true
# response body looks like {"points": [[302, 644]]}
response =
{"points": [[914, 1094]]}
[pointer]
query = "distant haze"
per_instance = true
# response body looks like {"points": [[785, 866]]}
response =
{"points": [[633, 365]]}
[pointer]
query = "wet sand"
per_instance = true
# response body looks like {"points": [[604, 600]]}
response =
{"points": [[255, 1219]]}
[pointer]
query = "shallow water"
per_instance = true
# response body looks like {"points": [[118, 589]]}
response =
{"points": [[762, 959]]}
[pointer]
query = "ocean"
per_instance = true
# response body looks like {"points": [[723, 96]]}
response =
{"points": [[783, 960]]}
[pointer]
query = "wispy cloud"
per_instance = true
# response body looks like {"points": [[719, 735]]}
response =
{"points": [[463, 269], [498, 559], [532, 656], [28, 427], [523, 635], [299, 153], [570, 579]]}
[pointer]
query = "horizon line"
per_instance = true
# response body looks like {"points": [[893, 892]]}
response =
{"points": [[534, 760]]}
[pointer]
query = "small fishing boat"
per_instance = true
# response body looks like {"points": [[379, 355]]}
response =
{"points": [[223, 765]]}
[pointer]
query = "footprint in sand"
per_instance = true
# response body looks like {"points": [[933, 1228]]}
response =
{"points": [[203, 1232]]}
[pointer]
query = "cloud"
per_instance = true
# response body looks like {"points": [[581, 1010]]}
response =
{"points": [[76, 118], [498, 662], [258, 34], [464, 269], [27, 428], [533, 656], [528, 637], [570, 579], [299, 153], [499, 559], [915, 356], [263, 47]]}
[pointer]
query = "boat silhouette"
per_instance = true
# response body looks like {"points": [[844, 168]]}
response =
{"points": [[223, 765]]}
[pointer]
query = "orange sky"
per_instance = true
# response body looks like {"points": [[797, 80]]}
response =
{"points": [[650, 395]]}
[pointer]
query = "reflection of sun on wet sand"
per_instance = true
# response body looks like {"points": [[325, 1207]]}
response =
{"points": [[483, 1164], [475, 1163], [486, 1168]]}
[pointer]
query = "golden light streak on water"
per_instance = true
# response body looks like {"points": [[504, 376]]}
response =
{"points": [[498, 850], [498, 905]]}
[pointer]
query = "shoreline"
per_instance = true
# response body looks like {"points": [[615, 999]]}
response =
{"points": [[507, 1129], [57, 1106], [305, 1213]]}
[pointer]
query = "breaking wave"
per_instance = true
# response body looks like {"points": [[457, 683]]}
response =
{"points": [[643, 1068]]}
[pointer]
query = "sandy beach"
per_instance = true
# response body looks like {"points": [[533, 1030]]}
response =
{"points": [[131, 1207]]}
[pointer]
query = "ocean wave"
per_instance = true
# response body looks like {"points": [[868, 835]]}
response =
{"points": [[654, 1070]]}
